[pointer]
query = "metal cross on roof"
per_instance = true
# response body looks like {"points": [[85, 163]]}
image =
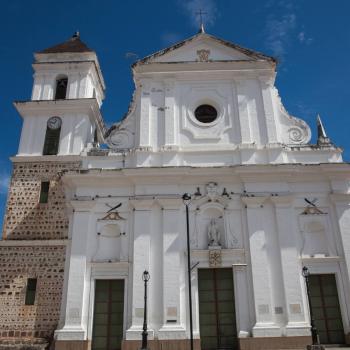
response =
{"points": [[200, 13]]}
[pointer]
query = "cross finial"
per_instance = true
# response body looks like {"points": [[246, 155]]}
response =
{"points": [[200, 13]]}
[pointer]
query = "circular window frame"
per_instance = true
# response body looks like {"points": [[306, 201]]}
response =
{"points": [[205, 102], [212, 116]]}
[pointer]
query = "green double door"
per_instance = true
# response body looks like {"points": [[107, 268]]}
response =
{"points": [[326, 309], [107, 333], [217, 317]]}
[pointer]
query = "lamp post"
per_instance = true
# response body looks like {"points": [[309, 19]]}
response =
{"points": [[315, 338], [186, 199], [145, 278]]}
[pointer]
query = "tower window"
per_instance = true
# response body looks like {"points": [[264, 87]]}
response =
{"points": [[205, 113], [44, 192], [31, 291], [52, 136], [61, 88]]}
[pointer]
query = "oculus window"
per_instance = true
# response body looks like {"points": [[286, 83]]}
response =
{"points": [[206, 113]]}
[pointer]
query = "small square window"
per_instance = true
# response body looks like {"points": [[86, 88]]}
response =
{"points": [[31, 291], [44, 192]]}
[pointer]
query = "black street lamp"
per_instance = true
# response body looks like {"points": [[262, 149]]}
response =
{"points": [[186, 198], [145, 278], [315, 337]]}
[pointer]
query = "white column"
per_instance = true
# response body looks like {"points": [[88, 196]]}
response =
{"points": [[295, 309], [265, 325], [268, 109], [75, 318], [141, 262], [171, 328]]}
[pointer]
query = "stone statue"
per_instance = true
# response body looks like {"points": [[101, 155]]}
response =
{"points": [[213, 234]]}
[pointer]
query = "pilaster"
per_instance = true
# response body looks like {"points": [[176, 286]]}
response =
{"points": [[295, 309], [341, 202], [242, 300], [169, 106], [265, 325], [265, 85], [141, 262], [75, 325], [243, 111], [145, 109]]}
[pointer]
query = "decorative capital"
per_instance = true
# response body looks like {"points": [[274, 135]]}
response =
{"points": [[170, 203], [341, 198], [142, 204], [82, 205], [282, 201], [253, 202]]}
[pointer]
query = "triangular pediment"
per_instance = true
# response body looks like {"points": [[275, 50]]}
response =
{"points": [[204, 48]]}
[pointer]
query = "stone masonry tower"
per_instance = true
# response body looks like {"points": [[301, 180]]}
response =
{"points": [[60, 122]]}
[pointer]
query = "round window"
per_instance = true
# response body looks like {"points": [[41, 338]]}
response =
{"points": [[205, 113]]}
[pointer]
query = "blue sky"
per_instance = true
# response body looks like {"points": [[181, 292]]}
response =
{"points": [[311, 39]]}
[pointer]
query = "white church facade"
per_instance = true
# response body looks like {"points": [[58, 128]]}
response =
{"points": [[84, 222]]}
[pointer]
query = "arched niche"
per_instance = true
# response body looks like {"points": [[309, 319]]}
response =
{"points": [[206, 215], [314, 237], [108, 245]]}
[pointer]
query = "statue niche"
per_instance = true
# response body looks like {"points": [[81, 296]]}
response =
{"points": [[210, 226], [108, 245], [213, 234]]}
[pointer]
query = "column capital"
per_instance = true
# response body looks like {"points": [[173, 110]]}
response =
{"points": [[170, 203], [142, 204], [253, 202], [82, 205], [340, 198], [282, 201]]}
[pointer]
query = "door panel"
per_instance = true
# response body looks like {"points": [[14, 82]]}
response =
{"points": [[326, 309], [216, 309], [107, 331]]}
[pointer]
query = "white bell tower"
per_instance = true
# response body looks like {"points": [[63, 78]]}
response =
{"points": [[63, 116]]}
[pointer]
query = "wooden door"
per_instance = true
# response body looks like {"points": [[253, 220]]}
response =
{"points": [[217, 318], [326, 309], [107, 331]]}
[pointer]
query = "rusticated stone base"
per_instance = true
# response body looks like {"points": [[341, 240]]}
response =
{"points": [[173, 344], [23, 344], [72, 345], [274, 343]]}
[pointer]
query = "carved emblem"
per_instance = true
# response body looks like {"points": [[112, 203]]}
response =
{"points": [[215, 258], [212, 190], [203, 55], [311, 208], [113, 214]]}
